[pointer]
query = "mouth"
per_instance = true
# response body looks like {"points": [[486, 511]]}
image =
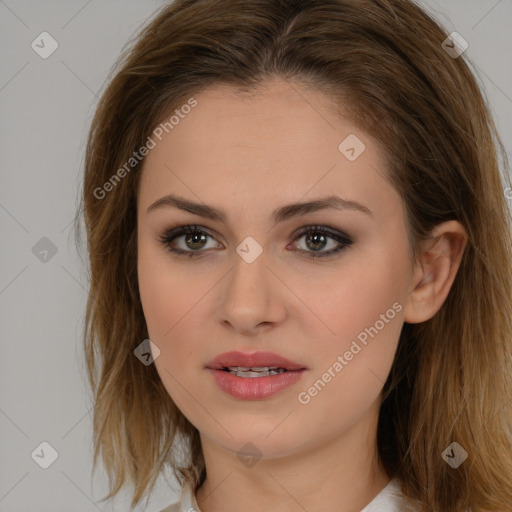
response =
{"points": [[254, 372], [255, 364]]}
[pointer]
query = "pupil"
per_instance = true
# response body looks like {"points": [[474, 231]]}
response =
{"points": [[192, 237], [315, 239]]}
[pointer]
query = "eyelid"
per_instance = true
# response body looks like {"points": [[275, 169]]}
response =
{"points": [[171, 233]]}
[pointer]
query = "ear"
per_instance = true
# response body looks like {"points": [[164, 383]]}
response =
{"points": [[435, 271]]}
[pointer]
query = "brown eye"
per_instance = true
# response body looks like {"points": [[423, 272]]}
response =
{"points": [[194, 240], [317, 238]]}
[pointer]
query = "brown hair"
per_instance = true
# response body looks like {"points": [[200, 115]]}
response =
{"points": [[383, 63]]}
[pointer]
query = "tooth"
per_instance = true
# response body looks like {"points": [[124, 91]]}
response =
{"points": [[240, 371], [251, 374], [258, 374], [254, 368]]}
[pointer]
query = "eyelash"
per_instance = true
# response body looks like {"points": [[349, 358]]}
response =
{"points": [[171, 234]]}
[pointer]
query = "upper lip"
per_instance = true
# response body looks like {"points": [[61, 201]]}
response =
{"points": [[252, 360]]}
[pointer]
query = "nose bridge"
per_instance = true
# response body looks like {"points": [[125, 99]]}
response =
{"points": [[248, 278], [249, 292]]}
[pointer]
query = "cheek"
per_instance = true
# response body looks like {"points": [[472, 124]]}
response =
{"points": [[174, 311], [364, 316], [166, 295], [350, 367], [168, 304], [157, 303], [356, 296]]}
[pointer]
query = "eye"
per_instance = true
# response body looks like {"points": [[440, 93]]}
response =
{"points": [[195, 240], [194, 237], [316, 238]]}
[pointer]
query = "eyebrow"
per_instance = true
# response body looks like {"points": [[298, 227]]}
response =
{"points": [[279, 215]]}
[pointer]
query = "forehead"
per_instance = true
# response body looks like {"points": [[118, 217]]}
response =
{"points": [[276, 117], [271, 144]]}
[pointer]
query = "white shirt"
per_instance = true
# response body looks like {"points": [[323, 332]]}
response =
{"points": [[385, 501]]}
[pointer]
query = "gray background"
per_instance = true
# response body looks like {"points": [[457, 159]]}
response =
{"points": [[46, 107]]}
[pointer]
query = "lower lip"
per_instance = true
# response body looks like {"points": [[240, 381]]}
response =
{"points": [[254, 388]]}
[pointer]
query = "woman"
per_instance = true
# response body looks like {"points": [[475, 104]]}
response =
{"points": [[300, 258]]}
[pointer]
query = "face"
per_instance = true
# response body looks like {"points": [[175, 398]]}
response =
{"points": [[248, 282]]}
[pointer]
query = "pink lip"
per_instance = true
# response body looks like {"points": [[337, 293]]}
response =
{"points": [[254, 388], [251, 360]]}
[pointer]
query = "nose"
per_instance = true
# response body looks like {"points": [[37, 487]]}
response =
{"points": [[252, 297]]}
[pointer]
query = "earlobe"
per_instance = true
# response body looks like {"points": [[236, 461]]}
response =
{"points": [[435, 271]]}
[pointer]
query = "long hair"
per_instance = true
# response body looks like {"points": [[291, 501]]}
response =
{"points": [[385, 64]]}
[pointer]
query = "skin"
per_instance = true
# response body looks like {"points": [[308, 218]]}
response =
{"points": [[249, 155]]}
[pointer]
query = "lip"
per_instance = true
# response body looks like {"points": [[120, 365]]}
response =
{"points": [[255, 388], [251, 360]]}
